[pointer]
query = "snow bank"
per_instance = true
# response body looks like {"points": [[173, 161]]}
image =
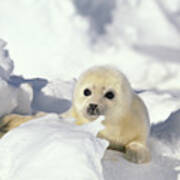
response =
{"points": [[15, 99], [50, 148], [12, 99], [54, 97], [160, 105], [6, 64]]}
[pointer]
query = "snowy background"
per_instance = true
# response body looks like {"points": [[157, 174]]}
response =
{"points": [[50, 43]]}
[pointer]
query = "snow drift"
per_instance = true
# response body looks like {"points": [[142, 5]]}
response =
{"points": [[13, 99], [48, 148]]}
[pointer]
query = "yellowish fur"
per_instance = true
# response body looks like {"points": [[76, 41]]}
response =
{"points": [[126, 118], [12, 121]]}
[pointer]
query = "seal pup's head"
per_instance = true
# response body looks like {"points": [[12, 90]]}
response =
{"points": [[101, 90]]}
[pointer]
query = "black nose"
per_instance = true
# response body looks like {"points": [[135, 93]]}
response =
{"points": [[93, 106], [93, 109]]}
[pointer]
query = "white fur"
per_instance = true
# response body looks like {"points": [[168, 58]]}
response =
{"points": [[126, 117]]}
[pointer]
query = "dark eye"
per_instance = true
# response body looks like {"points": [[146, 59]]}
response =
{"points": [[87, 92], [109, 95]]}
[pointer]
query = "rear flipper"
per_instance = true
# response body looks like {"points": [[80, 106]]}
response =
{"points": [[12, 121]]}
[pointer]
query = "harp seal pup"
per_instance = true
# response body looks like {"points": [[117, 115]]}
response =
{"points": [[104, 90]]}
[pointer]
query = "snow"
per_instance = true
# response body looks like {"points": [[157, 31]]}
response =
{"points": [[165, 151], [51, 43], [54, 150], [58, 43], [13, 99], [6, 64], [160, 105], [54, 98]]}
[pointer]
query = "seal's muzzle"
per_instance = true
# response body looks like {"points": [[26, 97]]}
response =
{"points": [[93, 110]]}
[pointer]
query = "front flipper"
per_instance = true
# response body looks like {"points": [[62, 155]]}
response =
{"points": [[137, 153]]}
